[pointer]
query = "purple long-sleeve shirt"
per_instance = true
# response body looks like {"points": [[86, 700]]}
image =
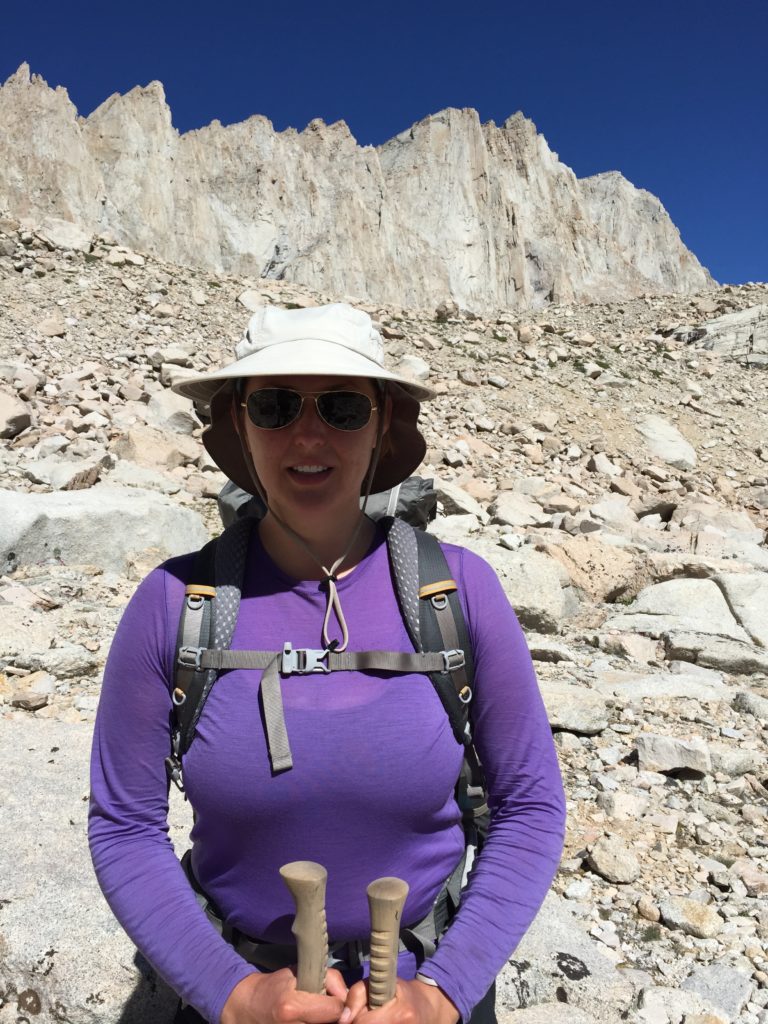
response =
{"points": [[370, 792]]}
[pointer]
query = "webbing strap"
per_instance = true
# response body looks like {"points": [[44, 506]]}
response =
{"points": [[305, 662], [336, 661], [278, 745]]}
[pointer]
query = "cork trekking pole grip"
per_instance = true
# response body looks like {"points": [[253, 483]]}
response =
{"points": [[306, 881], [386, 897]]}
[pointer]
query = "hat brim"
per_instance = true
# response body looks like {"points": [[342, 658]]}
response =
{"points": [[308, 357], [403, 454]]}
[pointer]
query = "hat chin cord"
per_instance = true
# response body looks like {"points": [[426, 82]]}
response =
{"points": [[333, 604]]}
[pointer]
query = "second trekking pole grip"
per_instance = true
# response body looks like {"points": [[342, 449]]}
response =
{"points": [[386, 897]]}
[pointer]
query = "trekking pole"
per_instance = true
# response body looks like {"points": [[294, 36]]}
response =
{"points": [[306, 881], [386, 897]]}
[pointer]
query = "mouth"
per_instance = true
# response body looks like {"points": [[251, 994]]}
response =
{"points": [[310, 473]]}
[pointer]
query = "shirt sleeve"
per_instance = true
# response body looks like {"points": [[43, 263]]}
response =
{"points": [[512, 736], [128, 819]]}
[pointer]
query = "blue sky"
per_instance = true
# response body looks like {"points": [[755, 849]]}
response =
{"points": [[673, 94]]}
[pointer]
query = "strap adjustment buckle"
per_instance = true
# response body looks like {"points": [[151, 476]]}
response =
{"points": [[453, 660], [302, 660], [191, 657]]}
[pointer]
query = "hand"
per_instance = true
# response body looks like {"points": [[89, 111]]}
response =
{"points": [[413, 1003], [274, 999]]}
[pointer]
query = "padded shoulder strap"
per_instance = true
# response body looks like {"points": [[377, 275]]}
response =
{"points": [[432, 613], [219, 565]]}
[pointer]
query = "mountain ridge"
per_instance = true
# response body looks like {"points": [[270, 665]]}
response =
{"points": [[451, 208]]}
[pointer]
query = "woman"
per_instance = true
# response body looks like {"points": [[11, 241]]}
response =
{"points": [[309, 418]]}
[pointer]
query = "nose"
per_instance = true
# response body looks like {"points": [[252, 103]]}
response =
{"points": [[309, 428]]}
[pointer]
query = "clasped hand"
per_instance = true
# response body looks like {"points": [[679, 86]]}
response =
{"points": [[274, 999]]}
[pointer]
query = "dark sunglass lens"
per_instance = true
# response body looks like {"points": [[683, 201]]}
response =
{"points": [[272, 408], [345, 410]]}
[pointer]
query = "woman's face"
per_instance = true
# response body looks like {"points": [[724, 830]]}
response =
{"points": [[310, 470]]}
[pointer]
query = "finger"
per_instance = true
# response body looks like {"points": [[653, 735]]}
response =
{"points": [[357, 1001], [314, 1009], [335, 984]]}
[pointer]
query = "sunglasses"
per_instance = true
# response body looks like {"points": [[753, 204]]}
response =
{"points": [[275, 408]]}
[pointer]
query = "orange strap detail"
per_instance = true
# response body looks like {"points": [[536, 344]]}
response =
{"points": [[198, 590], [441, 587]]}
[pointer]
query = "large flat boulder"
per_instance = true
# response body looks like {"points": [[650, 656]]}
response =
{"points": [[696, 606], [103, 526], [64, 956], [538, 587], [747, 597]]}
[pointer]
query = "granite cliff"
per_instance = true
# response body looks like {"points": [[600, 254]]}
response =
{"points": [[482, 214]]}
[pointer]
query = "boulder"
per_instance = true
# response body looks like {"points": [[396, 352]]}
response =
{"points": [[64, 234], [511, 509], [664, 441], [574, 708], [636, 686], [680, 605], [671, 754], [537, 586], [102, 526], [169, 411], [717, 652], [64, 957], [739, 335], [15, 415], [613, 860], [747, 597], [63, 474], [724, 987], [690, 916], [557, 961]]}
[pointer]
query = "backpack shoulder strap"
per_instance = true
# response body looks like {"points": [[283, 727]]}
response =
{"points": [[208, 618], [433, 616]]}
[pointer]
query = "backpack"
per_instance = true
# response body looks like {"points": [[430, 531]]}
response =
{"points": [[414, 500], [434, 620]]}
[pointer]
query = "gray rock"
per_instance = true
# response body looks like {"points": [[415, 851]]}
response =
{"points": [[716, 652], [537, 586], [635, 686], [63, 234], [680, 605], [15, 415], [413, 367], [722, 986], [73, 960], [557, 960], [660, 1005], [751, 704], [747, 597], [511, 509], [456, 501], [574, 708], [168, 411], [614, 860], [739, 335], [690, 916], [64, 661], [668, 754], [128, 474], [665, 442], [64, 474], [102, 526], [735, 761]]}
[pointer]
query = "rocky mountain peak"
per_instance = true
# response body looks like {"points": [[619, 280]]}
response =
{"points": [[450, 209]]}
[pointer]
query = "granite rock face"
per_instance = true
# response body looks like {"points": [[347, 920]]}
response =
{"points": [[482, 214]]}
